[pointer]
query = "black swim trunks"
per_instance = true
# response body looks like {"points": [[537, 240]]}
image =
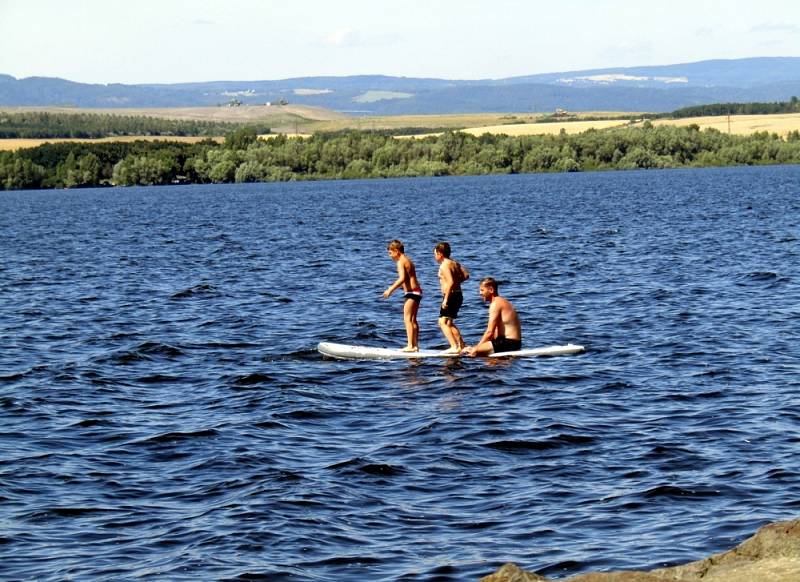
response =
{"points": [[503, 344], [415, 294], [454, 303]]}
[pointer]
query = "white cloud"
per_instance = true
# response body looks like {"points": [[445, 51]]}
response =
{"points": [[342, 37]]}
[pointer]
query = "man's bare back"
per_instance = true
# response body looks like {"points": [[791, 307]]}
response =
{"points": [[506, 318]]}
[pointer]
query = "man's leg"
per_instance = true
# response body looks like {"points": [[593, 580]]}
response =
{"points": [[459, 341], [484, 349], [447, 330], [412, 327]]}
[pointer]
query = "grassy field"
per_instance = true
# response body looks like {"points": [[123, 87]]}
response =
{"points": [[394, 122], [464, 121], [285, 116]]}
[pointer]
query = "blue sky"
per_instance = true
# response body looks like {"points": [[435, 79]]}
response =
{"points": [[167, 41]]}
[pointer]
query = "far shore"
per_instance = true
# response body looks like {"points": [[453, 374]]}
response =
{"points": [[780, 124]]}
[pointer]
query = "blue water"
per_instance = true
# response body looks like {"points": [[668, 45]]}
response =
{"points": [[165, 415]]}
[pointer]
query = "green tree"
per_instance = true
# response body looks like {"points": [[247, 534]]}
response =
{"points": [[241, 139], [89, 170], [567, 164], [639, 157], [357, 169], [141, 171], [20, 174], [250, 171], [541, 158]]}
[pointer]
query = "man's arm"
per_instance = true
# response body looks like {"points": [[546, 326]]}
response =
{"points": [[484, 344], [447, 283], [491, 327], [401, 276]]}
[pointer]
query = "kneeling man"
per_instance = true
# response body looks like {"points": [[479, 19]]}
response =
{"points": [[503, 333]]}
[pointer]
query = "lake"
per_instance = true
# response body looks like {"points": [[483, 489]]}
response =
{"points": [[165, 414]]}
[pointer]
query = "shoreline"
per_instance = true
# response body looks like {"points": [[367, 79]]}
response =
{"points": [[245, 158], [772, 554]]}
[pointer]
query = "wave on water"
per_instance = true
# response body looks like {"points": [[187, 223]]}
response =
{"points": [[203, 289]]}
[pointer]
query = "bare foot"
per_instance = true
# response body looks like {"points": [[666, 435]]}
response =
{"points": [[454, 351], [409, 349]]}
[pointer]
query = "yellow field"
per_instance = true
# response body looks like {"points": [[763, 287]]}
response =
{"points": [[780, 123], [475, 124], [541, 128], [548, 128], [17, 144]]}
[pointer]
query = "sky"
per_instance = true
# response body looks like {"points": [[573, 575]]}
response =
{"points": [[172, 41]]}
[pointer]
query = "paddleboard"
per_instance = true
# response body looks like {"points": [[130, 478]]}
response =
{"points": [[347, 352]]}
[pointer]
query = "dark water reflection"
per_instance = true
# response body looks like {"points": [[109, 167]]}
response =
{"points": [[165, 414]]}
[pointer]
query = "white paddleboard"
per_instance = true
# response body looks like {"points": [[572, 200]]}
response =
{"points": [[346, 352]]}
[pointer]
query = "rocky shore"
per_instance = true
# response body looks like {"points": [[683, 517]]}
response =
{"points": [[771, 555]]}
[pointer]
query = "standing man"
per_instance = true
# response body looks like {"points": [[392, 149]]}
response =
{"points": [[503, 333], [407, 279], [451, 275]]}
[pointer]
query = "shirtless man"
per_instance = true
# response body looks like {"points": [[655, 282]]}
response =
{"points": [[407, 279], [451, 275], [503, 334]]}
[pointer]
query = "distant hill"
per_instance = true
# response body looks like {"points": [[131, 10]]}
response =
{"points": [[651, 89]]}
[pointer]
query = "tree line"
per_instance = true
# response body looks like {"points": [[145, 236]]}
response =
{"points": [[42, 124], [245, 158]]}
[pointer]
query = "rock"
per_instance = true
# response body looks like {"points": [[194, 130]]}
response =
{"points": [[771, 555], [512, 573]]}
